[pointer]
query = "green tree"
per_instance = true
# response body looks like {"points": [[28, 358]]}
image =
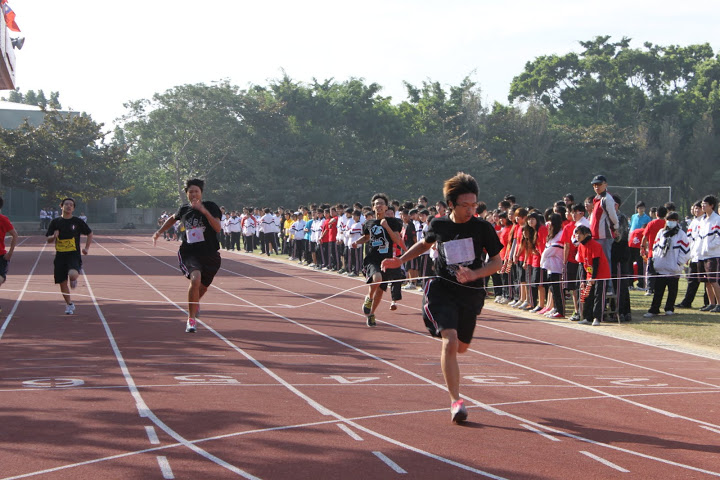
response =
{"points": [[188, 131], [65, 155]]}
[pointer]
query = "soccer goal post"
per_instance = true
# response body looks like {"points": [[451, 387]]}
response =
{"points": [[652, 196]]}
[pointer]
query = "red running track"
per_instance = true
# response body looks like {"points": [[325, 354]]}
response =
{"points": [[284, 380]]}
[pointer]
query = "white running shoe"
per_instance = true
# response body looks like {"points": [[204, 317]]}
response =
{"points": [[596, 322], [69, 309], [190, 326], [458, 413]]}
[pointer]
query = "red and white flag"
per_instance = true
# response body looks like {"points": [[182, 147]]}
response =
{"points": [[9, 16]]}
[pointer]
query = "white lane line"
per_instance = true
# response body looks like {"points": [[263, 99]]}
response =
{"points": [[152, 436], [22, 292], [347, 430], [142, 407], [535, 430], [486, 407], [605, 462], [320, 408], [389, 462], [165, 467], [711, 429]]}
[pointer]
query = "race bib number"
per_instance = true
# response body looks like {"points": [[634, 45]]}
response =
{"points": [[65, 245], [195, 235], [459, 252]]}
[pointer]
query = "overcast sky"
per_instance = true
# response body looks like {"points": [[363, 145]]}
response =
{"points": [[100, 54]]}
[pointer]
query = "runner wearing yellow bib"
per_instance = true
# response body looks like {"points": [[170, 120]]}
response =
{"points": [[64, 232]]}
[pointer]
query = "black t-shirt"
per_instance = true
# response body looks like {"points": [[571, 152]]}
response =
{"points": [[198, 236], [462, 244], [381, 245], [69, 231]]}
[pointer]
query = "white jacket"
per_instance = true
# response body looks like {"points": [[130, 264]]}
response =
{"points": [[693, 233], [553, 255], [709, 237], [677, 255]]}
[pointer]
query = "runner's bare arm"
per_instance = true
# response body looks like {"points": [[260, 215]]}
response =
{"points": [[88, 241], [465, 275], [165, 226], [415, 251]]}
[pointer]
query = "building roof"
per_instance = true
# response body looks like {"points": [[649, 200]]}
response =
{"points": [[12, 114]]}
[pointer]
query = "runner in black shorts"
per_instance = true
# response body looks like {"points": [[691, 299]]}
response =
{"points": [[383, 233], [455, 297], [64, 231], [199, 255]]}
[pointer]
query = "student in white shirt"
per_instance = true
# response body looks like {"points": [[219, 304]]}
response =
{"points": [[355, 255]]}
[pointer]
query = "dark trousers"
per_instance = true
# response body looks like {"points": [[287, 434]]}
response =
{"points": [[692, 285], [261, 239], [594, 307], [557, 292], [249, 241], [660, 283], [621, 278], [299, 248], [651, 275], [327, 251], [354, 260], [234, 241]]}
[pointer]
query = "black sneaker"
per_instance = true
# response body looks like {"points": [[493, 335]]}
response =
{"points": [[682, 305], [371, 321]]}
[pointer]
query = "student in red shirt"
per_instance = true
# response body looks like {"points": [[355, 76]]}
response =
{"points": [[537, 282], [6, 228], [518, 259], [597, 268], [572, 267], [649, 234]]}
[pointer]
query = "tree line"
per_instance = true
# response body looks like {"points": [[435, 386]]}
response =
{"points": [[641, 116]]}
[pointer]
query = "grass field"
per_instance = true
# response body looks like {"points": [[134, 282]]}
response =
{"points": [[690, 325]]}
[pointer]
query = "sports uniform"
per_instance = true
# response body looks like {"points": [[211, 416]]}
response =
{"points": [[199, 248], [67, 245], [447, 303]]}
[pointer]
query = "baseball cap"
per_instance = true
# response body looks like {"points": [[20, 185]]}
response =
{"points": [[598, 179]]}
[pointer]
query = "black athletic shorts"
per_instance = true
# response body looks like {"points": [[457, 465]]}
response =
{"points": [[572, 271], [3, 267], [207, 264], [64, 263], [451, 307], [388, 276], [709, 270], [535, 276]]}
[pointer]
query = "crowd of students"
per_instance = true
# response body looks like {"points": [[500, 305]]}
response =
{"points": [[575, 260]]}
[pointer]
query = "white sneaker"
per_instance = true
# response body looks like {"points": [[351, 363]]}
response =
{"points": [[190, 326], [669, 312], [393, 306], [523, 305], [513, 303], [69, 309], [648, 315], [596, 322], [583, 322]]}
